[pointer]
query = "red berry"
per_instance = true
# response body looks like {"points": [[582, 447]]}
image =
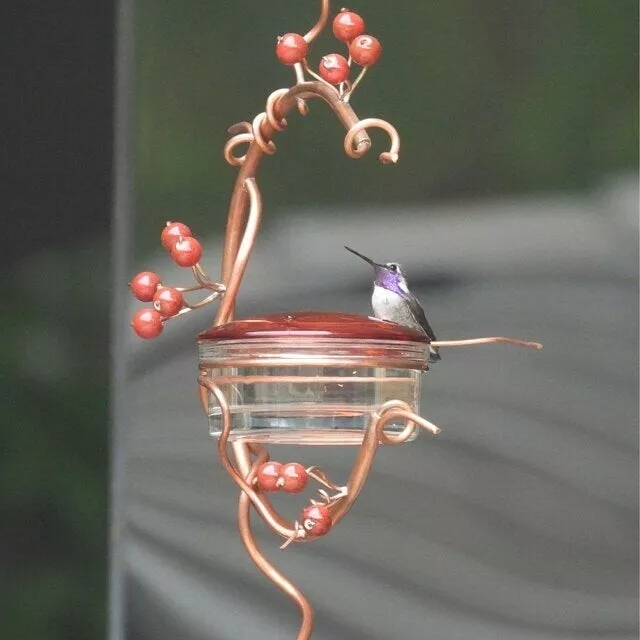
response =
{"points": [[334, 68], [294, 476], [347, 25], [269, 476], [172, 232], [365, 50], [186, 252], [316, 520], [291, 48], [147, 323], [168, 301], [144, 285]]}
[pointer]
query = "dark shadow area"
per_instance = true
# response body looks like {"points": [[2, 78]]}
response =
{"points": [[56, 173]]}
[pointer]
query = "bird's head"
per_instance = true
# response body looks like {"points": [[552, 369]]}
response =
{"points": [[388, 275]]}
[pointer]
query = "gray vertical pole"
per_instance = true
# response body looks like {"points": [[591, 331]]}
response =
{"points": [[122, 227]]}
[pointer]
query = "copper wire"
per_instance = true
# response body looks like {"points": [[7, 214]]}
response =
{"points": [[262, 505], [267, 146], [225, 312], [276, 125], [374, 435], [477, 341], [238, 139], [318, 361], [347, 95], [313, 74], [269, 570], [303, 108], [386, 157], [325, 380], [321, 22], [241, 453]]}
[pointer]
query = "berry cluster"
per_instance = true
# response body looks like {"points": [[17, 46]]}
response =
{"points": [[147, 286], [349, 28], [292, 477]]}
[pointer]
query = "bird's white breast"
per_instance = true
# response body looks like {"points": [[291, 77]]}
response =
{"points": [[385, 302], [391, 306]]}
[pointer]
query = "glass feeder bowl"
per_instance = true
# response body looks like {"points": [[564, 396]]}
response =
{"points": [[310, 377]]}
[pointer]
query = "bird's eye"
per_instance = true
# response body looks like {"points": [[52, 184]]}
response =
{"points": [[393, 268]]}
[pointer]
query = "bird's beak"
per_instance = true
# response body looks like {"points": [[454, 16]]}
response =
{"points": [[369, 260]]}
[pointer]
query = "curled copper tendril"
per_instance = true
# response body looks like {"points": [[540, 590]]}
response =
{"points": [[259, 131], [386, 157]]}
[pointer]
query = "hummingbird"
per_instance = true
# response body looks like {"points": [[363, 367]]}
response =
{"points": [[392, 300]]}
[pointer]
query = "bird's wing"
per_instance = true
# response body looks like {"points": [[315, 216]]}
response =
{"points": [[418, 315]]}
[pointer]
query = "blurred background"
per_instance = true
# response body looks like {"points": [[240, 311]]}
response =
{"points": [[514, 208]]}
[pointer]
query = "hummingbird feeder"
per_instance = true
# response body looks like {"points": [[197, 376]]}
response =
{"points": [[309, 378], [300, 377]]}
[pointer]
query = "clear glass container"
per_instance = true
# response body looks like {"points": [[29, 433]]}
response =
{"points": [[310, 378]]}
